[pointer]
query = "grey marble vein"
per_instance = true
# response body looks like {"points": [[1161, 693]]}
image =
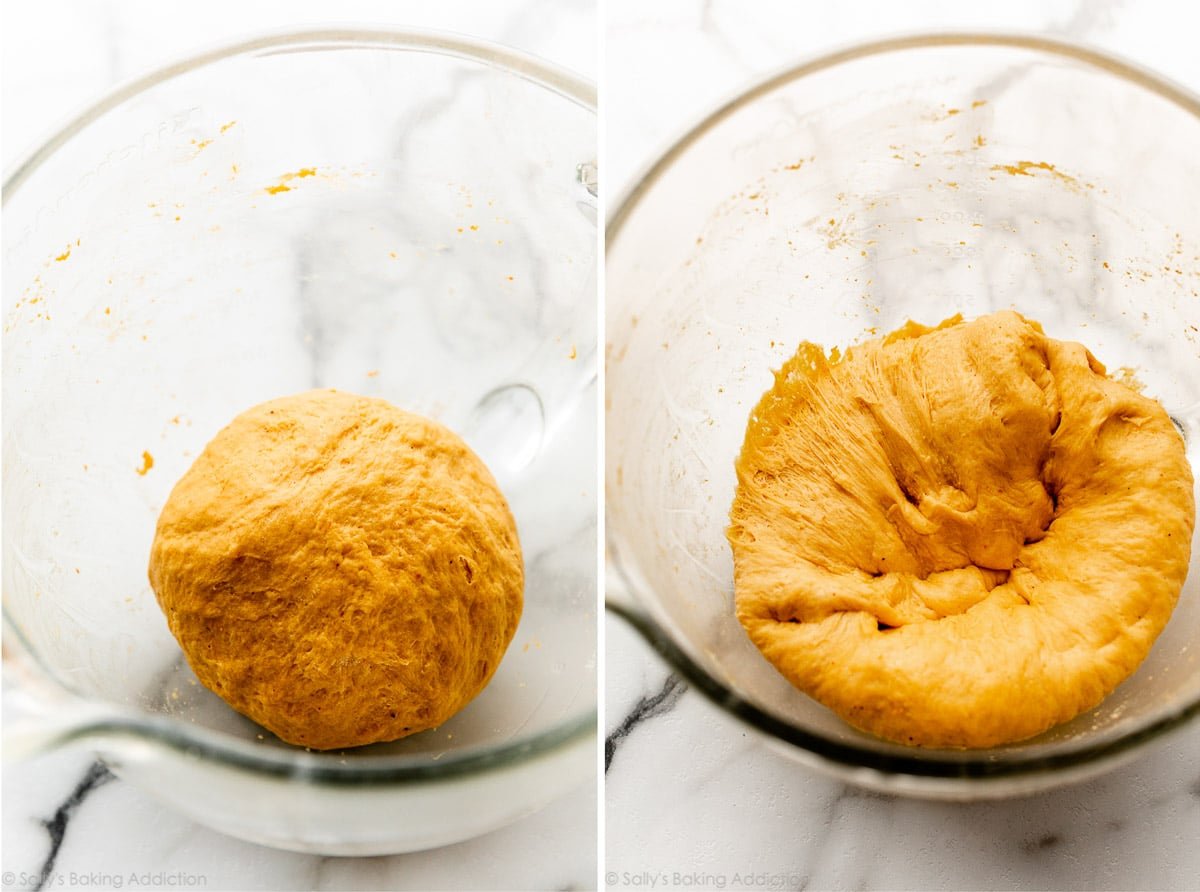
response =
{"points": [[647, 707], [56, 826], [711, 28]]}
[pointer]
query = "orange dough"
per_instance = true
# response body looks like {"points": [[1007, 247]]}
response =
{"points": [[961, 536], [338, 570]]}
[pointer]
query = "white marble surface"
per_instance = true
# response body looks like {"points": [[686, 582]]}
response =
{"points": [[58, 56], [693, 800]]}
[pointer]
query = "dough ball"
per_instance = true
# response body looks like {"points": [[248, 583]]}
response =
{"points": [[961, 536], [338, 570]]}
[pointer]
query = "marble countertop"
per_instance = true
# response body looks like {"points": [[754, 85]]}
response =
{"points": [[67, 822], [693, 799]]}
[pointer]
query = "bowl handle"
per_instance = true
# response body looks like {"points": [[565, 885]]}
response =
{"points": [[620, 601], [39, 714]]}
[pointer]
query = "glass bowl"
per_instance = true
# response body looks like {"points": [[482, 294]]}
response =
{"points": [[913, 178], [398, 214]]}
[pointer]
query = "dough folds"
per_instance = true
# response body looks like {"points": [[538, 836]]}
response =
{"points": [[959, 536], [338, 570]]}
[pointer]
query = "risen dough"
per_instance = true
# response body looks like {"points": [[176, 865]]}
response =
{"points": [[958, 536], [338, 570]]}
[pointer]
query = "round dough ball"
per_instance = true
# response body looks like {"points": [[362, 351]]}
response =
{"points": [[959, 536], [338, 570]]}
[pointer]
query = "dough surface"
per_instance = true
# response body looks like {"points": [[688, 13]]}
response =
{"points": [[338, 570], [961, 536]]}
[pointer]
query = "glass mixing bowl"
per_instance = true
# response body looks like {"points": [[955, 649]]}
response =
{"points": [[403, 215], [909, 179]]}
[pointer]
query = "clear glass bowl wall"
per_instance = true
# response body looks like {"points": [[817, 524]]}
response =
{"points": [[913, 179], [398, 215]]}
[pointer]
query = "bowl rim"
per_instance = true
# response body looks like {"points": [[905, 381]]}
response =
{"points": [[923, 765], [209, 744], [524, 65], [641, 182]]}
